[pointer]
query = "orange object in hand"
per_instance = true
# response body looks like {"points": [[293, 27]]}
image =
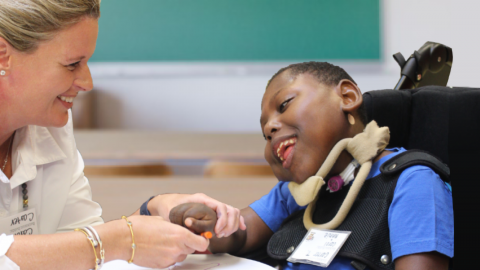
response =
{"points": [[207, 235]]}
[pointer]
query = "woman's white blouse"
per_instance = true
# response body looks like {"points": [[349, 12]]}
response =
{"points": [[47, 160]]}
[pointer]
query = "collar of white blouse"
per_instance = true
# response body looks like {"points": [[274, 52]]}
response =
{"points": [[32, 146]]}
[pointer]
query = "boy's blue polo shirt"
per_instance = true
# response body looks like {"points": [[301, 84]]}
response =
{"points": [[420, 217]]}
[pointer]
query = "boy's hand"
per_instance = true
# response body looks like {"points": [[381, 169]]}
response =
{"points": [[229, 218], [197, 217]]}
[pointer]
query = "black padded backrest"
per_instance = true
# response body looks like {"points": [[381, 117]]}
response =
{"points": [[446, 123], [414, 117], [390, 108], [464, 153]]}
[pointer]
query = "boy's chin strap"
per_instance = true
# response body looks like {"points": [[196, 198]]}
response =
{"points": [[363, 147]]}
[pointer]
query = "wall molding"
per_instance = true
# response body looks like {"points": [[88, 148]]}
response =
{"points": [[102, 70]]}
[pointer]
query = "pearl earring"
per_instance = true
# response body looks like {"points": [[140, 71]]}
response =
{"points": [[351, 119], [2, 73]]}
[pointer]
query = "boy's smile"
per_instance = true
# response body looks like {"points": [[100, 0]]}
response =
{"points": [[285, 149], [302, 119]]}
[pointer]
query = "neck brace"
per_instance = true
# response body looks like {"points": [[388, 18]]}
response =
{"points": [[363, 147]]}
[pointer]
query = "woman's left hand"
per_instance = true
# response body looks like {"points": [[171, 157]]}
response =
{"points": [[229, 218]]}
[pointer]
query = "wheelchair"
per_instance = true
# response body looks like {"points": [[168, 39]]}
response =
{"points": [[422, 113]]}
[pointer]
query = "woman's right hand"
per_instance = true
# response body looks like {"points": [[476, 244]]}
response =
{"points": [[159, 243]]}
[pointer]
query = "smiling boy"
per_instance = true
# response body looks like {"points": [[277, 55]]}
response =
{"points": [[307, 109]]}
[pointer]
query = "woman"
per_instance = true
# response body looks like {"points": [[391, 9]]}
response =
{"points": [[44, 49]]}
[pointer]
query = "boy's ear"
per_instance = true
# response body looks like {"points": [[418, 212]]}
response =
{"points": [[5, 55], [351, 96]]}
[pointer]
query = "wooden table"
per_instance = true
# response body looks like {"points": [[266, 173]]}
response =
{"points": [[123, 195], [197, 261], [152, 145]]}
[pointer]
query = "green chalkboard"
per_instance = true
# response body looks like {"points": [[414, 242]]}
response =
{"points": [[238, 30]]}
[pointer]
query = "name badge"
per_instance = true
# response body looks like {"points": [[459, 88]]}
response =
{"points": [[22, 223], [319, 247]]}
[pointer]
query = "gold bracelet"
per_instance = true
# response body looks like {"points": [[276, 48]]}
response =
{"points": [[97, 261], [133, 239]]}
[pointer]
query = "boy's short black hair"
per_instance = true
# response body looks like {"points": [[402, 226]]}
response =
{"points": [[326, 73]]}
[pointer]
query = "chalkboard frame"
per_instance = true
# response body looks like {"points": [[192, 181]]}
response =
{"points": [[238, 30]]}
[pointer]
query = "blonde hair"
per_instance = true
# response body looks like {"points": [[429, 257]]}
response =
{"points": [[26, 23]]}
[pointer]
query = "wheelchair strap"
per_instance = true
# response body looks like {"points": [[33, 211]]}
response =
{"points": [[358, 265], [415, 157]]}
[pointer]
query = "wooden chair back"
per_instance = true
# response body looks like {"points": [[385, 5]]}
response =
{"points": [[128, 170], [236, 169]]}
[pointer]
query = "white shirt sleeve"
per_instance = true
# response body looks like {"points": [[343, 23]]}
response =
{"points": [[5, 262], [80, 210]]}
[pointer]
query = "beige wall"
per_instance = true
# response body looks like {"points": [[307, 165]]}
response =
{"points": [[225, 97]]}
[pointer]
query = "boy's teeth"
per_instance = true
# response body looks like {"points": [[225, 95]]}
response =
{"points": [[287, 142]]}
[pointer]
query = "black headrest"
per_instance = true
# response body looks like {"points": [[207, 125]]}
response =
{"points": [[417, 118], [390, 108]]}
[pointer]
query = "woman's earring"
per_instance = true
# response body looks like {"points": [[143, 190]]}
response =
{"points": [[351, 119], [2, 72]]}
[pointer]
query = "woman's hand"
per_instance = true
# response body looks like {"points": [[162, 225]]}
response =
{"points": [[229, 218], [159, 243], [195, 216]]}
